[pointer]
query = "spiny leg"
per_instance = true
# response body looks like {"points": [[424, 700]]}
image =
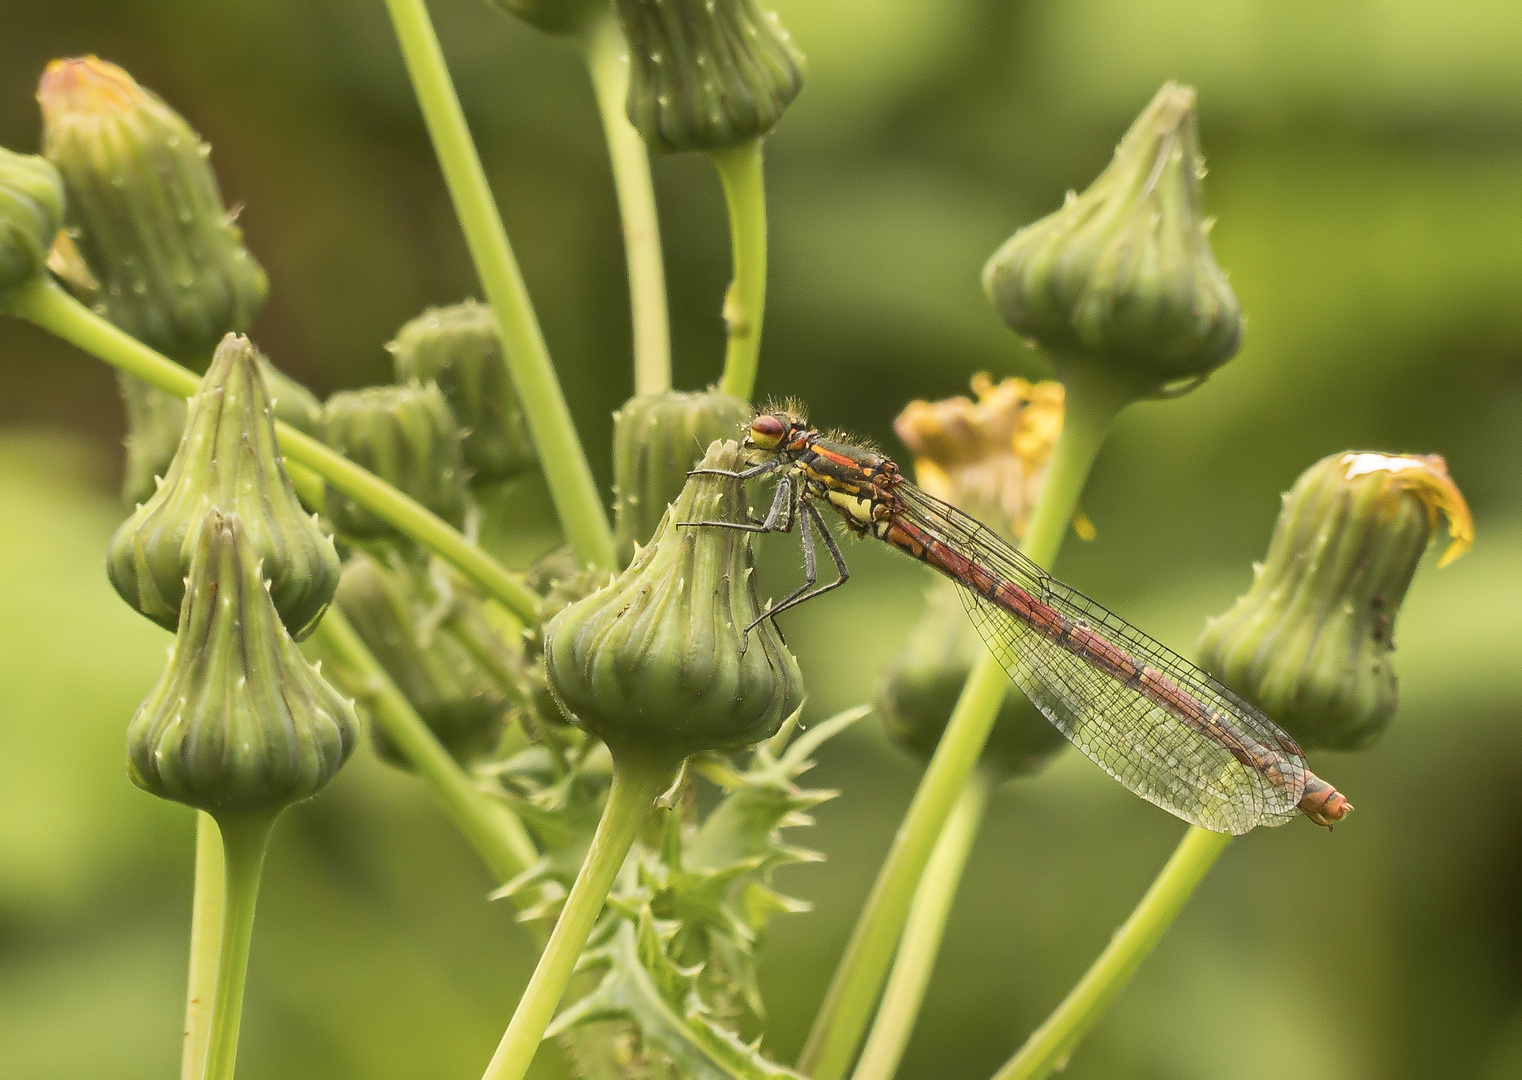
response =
{"points": [[743, 474], [779, 518], [808, 517]]}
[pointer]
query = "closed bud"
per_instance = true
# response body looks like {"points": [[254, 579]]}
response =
{"points": [[433, 639], [227, 460], [239, 721], [707, 74], [146, 212], [553, 16], [657, 660], [657, 439], [458, 349], [407, 436], [1311, 640], [1122, 278], [31, 211]]}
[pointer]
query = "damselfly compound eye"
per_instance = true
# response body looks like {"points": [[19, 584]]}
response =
{"points": [[766, 431]]}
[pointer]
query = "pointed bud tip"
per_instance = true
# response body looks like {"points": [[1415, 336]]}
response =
{"points": [[85, 84]]}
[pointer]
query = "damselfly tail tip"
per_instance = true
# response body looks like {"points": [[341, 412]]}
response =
{"points": [[1323, 803]]}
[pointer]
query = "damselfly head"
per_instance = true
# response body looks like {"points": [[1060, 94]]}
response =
{"points": [[769, 429]]}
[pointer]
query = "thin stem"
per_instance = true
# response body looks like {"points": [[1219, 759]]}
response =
{"points": [[1049, 1048], [637, 782], [1090, 408], [565, 465], [205, 931], [607, 58], [497, 836], [244, 841], [745, 303], [905, 990], [45, 304]]}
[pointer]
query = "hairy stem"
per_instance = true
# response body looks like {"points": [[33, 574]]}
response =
{"points": [[745, 303], [607, 58], [496, 834], [565, 465], [1089, 410], [905, 990], [45, 304], [244, 841], [206, 915], [638, 780], [1048, 1049]]}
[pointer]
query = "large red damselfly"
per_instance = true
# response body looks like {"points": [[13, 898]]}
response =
{"points": [[1152, 720]]}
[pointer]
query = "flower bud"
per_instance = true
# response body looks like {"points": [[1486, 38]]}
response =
{"points": [[552, 16], [31, 211], [1310, 641], [155, 425], [458, 348], [657, 439], [145, 209], [239, 722], [1122, 277], [227, 460], [707, 74], [921, 686], [407, 436], [438, 648], [657, 660]]}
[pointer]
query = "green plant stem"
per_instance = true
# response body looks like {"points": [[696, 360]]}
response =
{"points": [[565, 465], [244, 841], [205, 931], [1089, 410], [906, 985], [741, 175], [638, 780], [607, 59], [1048, 1049], [496, 834], [48, 306]]}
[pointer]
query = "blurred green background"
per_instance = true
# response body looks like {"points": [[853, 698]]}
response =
{"points": [[1366, 167]]}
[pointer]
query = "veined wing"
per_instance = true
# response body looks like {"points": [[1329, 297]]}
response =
{"points": [[1152, 720]]}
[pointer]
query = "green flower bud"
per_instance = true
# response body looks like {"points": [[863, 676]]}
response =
{"points": [[921, 686], [553, 16], [146, 212], [657, 439], [155, 425], [407, 436], [458, 348], [239, 722], [1122, 277], [439, 649], [656, 660], [31, 211], [1310, 641], [228, 460], [707, 74]]}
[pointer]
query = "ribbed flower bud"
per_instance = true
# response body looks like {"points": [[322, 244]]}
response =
{"points": [[657, 439], [407, 436], [439, 649], [553, 16], [239, 721], [1122, 277], [228, 460], [31, 211], [707, 74], [458, 349], [1311, 640], [146, 212], [989, 457], [656, 660]]}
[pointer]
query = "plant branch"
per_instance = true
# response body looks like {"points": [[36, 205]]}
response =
{"points": [[244, 841], [44, 303], [565, 465], [638, 780], [206, 914], [905, 991], [606, 54], [1049, 1047], [741, 175], [1089, 410]]}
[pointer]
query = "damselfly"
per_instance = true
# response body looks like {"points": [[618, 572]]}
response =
{"points": [[1152, 720]]}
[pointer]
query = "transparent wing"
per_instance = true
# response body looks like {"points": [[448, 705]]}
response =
{"points": [[1158, 724]]}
